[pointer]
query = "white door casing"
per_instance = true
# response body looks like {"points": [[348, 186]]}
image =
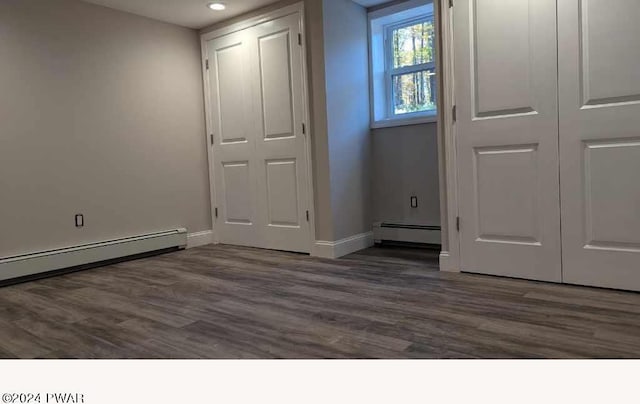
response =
{"points": [[599, 110], [257, 109], [507, 137]]}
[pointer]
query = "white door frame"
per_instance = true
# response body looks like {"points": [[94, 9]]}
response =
{"points": [[239, 26], [449, 257]]}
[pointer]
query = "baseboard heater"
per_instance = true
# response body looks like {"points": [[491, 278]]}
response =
{"points": [[410, 233], [27, 265]]}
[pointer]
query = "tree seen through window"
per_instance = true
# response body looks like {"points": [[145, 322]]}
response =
{"points": [[413, 78]]}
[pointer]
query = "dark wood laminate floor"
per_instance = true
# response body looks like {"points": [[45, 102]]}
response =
{"points": [[235, 302]]}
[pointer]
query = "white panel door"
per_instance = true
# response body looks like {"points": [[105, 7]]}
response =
{"points": [[507, 137], [599, 84], [234, 162], [281, 160], [260, 165]]}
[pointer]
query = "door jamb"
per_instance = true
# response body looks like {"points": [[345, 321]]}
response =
{"points": [[239, 26], [450, 259]]}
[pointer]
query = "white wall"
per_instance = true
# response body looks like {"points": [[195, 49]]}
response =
{"points": [[318, 106], [101, 113], [347, 99], [405, 163]]}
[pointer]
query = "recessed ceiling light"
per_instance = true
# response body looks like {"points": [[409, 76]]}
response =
{"points": [[217, 6]]}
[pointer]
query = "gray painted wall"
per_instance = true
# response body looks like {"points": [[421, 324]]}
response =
{"points": [[405, 163], [101, 113], [318, 106], [347, 100]]}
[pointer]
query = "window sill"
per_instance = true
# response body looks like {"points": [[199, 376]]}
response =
{"points": [[390, 123]]}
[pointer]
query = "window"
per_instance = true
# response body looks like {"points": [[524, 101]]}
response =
{"points": [[411, 72], [403, 64]]}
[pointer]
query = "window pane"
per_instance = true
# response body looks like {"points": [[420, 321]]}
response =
{"points": [[414, 92], [413, 45]]}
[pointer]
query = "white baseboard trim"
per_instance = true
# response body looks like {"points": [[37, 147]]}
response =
{"points": [[446, 264], [200, 238], [45, 261], [407, 233], [340, 248]]}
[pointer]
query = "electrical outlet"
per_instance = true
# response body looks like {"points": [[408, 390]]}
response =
{"points": [[79, 220], [414, 201]]}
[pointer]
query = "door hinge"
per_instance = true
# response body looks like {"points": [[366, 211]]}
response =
{"points": [[216, 212], [454, 113], [450, 3], [458, 223], [307, 216], [206, 63], [300, 39], [211, 137], [304, 129]]}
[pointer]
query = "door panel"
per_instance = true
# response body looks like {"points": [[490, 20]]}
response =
{"points": [[506, 186], [238, 191], [228, 80], [612, 197], [282, 195], [281, 146], [599, 93], [275, 78], [507, 137], [505, 87], [608, 48]]}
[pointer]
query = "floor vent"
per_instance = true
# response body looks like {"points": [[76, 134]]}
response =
{"points": [[410, 233], [46, 261]]}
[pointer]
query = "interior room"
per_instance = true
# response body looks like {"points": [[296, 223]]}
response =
{"points": [[311, 179]]}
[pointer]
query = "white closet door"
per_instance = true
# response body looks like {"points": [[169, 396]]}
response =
{"points": [[234, 162], [599, 83], [281, 160], [507, 137], [260, 165]]}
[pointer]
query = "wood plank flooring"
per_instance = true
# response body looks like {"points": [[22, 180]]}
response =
{"points": [[236, 302]]}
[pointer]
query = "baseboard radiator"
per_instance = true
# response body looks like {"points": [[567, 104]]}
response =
{"points": [[409, 233], [27, 265]]}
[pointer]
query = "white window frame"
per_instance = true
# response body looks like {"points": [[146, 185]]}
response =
{"points": [[381, 24], [390, 71]]}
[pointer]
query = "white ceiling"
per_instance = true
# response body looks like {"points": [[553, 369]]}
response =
{"points": [[188, 13], [194, 13]]}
